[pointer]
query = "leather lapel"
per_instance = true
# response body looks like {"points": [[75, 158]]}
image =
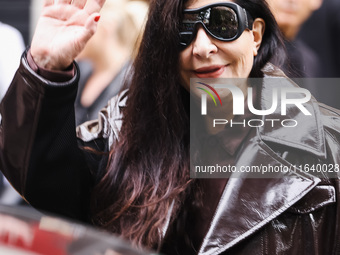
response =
{"points": [[247, 204], [307, 136]]}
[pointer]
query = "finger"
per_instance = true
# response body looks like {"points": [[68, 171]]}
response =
{"points": [[90, 29], [79, 3], [88, 32], [64, 1], [48, 2], [91, 23], [93, 6]]}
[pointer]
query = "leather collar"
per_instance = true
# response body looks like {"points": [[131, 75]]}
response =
{"points": [[248, 204], [308, 135]]}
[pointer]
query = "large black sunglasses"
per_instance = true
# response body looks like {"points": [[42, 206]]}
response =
{"points": [[223, 21]]}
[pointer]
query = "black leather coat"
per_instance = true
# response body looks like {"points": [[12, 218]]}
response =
{"points": [[298, 213]]}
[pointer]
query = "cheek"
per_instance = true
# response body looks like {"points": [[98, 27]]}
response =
{"points": [[243, 55], [248, 51], [250, 57], [243, 58], [184, 58], [248, 62]]}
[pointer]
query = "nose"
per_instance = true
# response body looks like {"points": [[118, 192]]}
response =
{"points": [[203, 45]]}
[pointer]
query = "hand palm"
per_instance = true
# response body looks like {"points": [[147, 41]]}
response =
{"points": [[62, 32]]}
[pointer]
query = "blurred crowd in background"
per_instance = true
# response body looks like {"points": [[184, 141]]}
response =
{"points": [[310, 28]]}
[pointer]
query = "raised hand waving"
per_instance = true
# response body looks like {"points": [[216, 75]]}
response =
{"points": [[63, 29]]}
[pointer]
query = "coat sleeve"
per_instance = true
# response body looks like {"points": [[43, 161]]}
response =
{"points": [[39, 152]]}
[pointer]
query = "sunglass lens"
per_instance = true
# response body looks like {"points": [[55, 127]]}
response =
{"points": [[185, 38], [223, 22], [187, 28]]}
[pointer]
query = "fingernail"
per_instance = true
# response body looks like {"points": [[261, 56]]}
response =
{"points": [[96, 19]]}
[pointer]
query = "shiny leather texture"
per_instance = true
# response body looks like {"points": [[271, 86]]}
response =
{"points": [[290, 213]]}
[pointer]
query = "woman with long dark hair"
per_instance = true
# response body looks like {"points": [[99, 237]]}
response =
{"points": [[129, 170]]}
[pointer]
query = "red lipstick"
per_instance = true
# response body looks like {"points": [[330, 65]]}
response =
{"points": [[209, 71]]}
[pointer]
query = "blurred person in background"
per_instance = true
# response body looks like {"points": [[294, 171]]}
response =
{"points": [[290, 15], [105, 61], [321, 33], [312, 44], [11, 47]]}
